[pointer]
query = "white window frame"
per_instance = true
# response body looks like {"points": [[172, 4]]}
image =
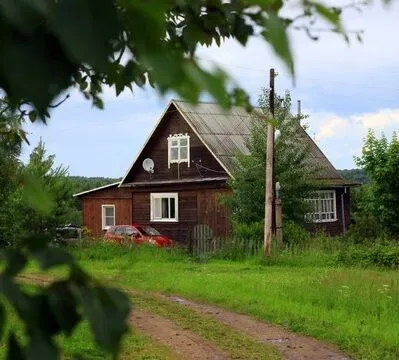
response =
{"points": [[154, 196], [103, 216], [323, 206], [178, 138]]}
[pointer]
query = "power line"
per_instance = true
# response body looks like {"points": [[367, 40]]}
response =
{"points": [[302, 77]]}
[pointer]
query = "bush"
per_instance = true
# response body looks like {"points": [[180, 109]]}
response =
{"points": [[252, 232], [379, 254], [366, 229], [295, 235]]}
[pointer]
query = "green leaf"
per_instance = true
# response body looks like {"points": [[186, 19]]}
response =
{"points": [[277, 37], [41, 347], [15, 261], [86, 29], [15, 351], [32, 115], [35, 242], [107, 310], [49, 257], [2, 321], [332, 15], [36, 196], [15, 296], [63, 306]]}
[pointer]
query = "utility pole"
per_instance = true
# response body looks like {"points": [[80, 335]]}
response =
{"points": [[269, 191]]}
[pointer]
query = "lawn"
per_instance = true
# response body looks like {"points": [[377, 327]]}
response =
{"points": [[355, 308]]}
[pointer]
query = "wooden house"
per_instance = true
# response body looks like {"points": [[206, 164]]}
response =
{"points": [[188, 159]]}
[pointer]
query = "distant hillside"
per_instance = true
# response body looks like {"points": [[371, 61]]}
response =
{"points": [[83, 183], [355, 175]]}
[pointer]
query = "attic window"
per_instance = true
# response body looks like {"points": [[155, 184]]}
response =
{"points": [[178, 149]]}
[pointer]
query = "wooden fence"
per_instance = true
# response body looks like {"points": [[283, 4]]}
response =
{"points": [[203, 243]]}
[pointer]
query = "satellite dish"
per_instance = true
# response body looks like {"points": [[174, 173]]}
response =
{"points": [[148, 165]]}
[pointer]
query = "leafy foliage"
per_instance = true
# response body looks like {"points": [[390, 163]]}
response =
{"points": [[292, 170], [380, 160], [121, 43], [59, 307]]}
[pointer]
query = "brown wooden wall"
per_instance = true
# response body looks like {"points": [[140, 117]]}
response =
{"points": [[91, 207], [157, 149], [334, 228], [196, 207]]}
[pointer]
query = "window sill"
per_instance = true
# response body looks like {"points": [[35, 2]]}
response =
{"points": [[322, 221], [164, 220]]}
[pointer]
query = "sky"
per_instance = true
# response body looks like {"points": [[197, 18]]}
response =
{"points": [[345, 90]]}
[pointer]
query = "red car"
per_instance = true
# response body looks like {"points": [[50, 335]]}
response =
{"points": [[138, 234]]}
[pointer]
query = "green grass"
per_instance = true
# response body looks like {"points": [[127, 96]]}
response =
{"points": [[354, 308]]}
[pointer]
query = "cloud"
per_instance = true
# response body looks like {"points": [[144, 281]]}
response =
{"points": [[378, 120], [331, 127], [340, 137]]}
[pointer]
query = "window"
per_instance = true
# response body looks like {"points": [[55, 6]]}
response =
{"points": [[179, 149], [164, 207], [324, 206], [108, 215]]}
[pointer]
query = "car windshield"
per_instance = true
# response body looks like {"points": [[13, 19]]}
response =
{"points": [[148, 230]]}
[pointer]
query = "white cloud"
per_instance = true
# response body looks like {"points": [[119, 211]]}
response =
{"points": [[331, 127], [378, 120]]}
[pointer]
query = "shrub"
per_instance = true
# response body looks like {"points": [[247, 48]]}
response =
{"points": [[380, 254], [295, 235], [365, 230], [252, 232]]}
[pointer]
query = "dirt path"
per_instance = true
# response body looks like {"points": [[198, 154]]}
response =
{"points": [[292, 346], [183, 342], [189, 346]]}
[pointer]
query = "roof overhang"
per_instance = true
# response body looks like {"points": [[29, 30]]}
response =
{"points": [[96, 189]]}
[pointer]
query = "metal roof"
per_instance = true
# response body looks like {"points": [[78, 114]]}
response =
{"points": [[225, 133]]}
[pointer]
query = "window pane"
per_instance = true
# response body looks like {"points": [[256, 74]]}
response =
{"points": [[109, 221], [183, 153], [175, 143], [109, 211], [172, 208], [157, 208], [165, 208], [174, 153], [183, 142]]}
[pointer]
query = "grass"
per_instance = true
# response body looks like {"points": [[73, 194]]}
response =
{"points": [[355, 308]]}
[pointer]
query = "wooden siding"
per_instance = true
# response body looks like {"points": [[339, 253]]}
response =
{"points": [[335, 227], [157, 149], [196, 207], [91, 207]]}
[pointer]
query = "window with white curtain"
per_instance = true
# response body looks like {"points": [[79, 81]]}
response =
{"points": [[164, 207], [323, 205]]}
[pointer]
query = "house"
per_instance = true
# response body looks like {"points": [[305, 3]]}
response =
{"points": [[178, 177]]}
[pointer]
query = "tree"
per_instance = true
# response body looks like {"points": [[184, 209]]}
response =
{"points": [[292, 170], [54, 181], [10, 148], [380, 160], [121, 43]]}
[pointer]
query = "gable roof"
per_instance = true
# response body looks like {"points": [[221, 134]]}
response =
{"points": [[225, 134]]}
